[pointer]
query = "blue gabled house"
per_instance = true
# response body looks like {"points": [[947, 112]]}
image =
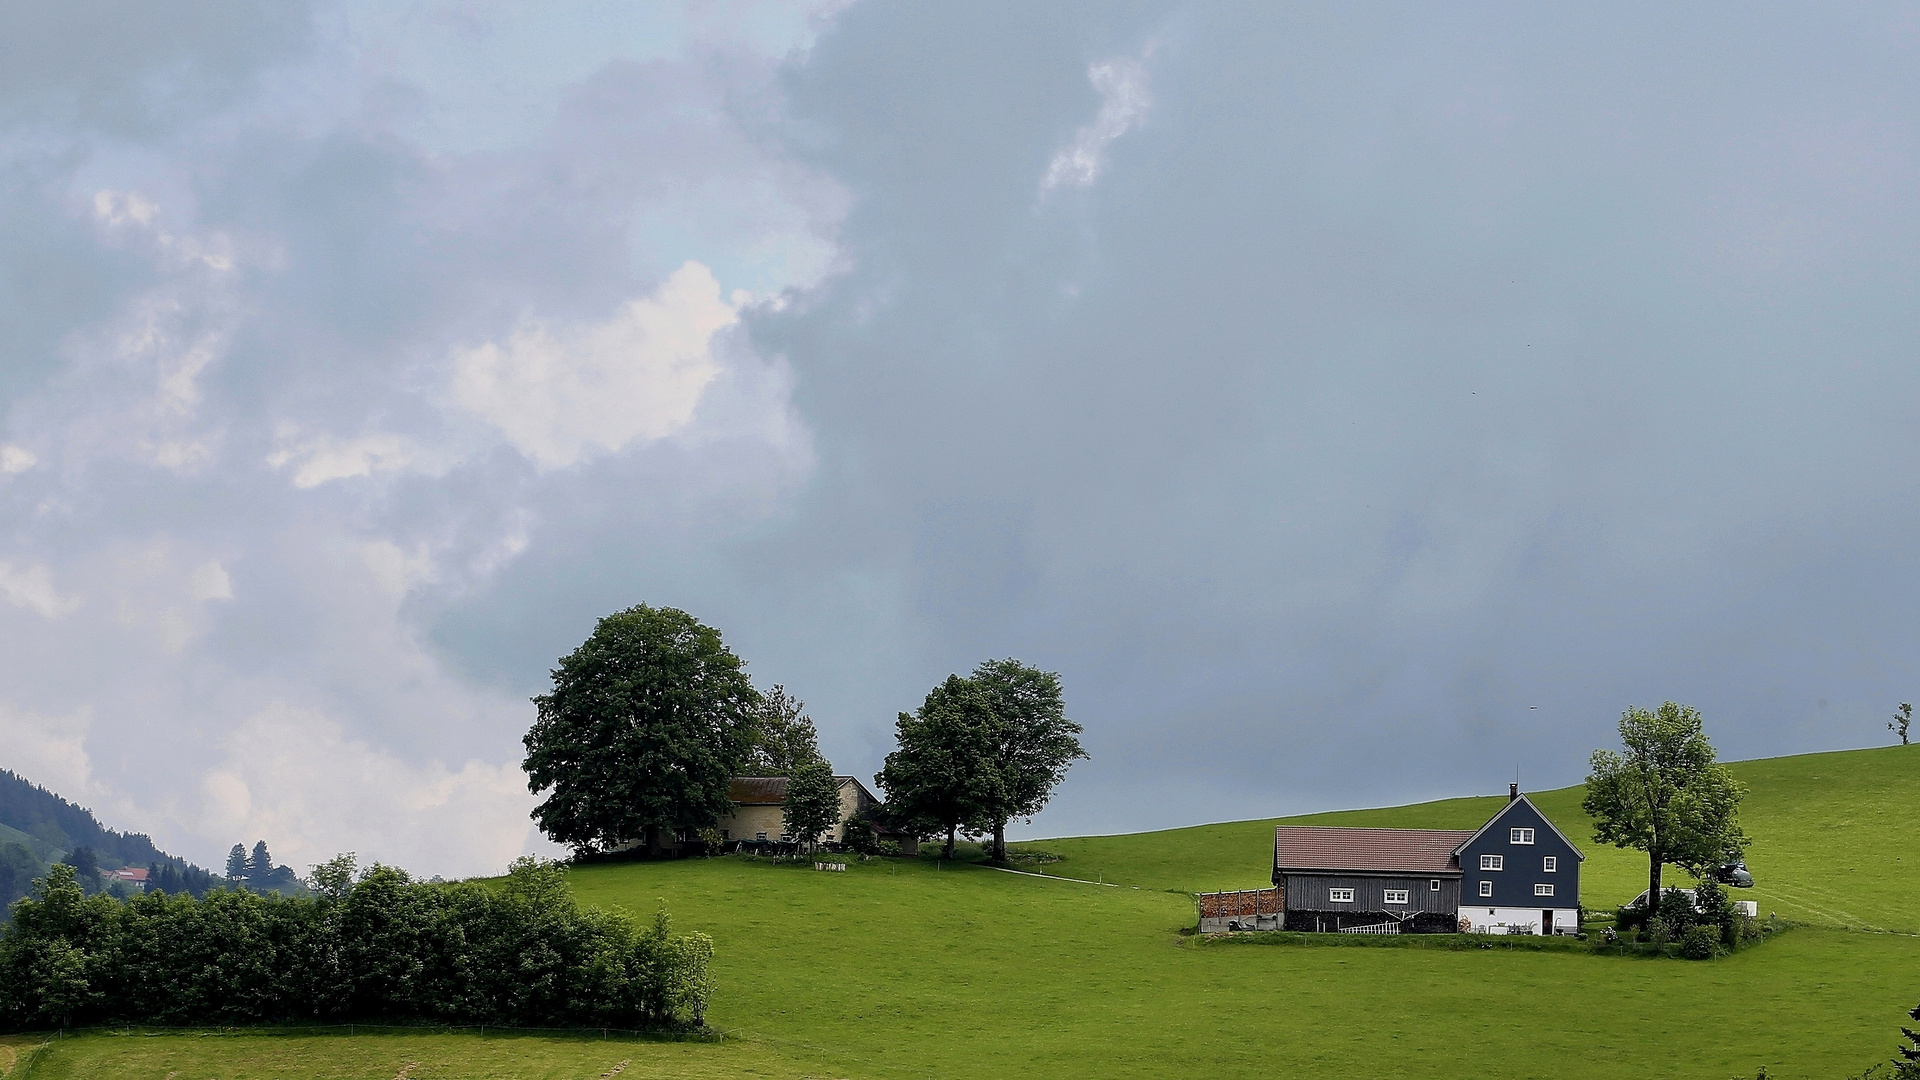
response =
{"points": [[1518, 873], [1520, 870]]}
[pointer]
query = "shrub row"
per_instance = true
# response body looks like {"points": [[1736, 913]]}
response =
{"points": [[379, 947]]}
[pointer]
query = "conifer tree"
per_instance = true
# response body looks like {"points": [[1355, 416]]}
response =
{"points": [[260, 867], [237, 862]]}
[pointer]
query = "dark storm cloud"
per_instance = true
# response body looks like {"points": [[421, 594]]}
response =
{"points": [[1396, 374]]}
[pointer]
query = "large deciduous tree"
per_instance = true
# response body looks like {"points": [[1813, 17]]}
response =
{"points": [[812, 804], [1032, 742], [1665, 794], [941, 778], [647, 724]]}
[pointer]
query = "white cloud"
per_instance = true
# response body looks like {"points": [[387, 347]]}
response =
{"points": [[120, 209], [1124, 98], [295, 777], [322, 459], [16, 459], [49, 750], [395, 570], [31, 587], [561, 398]]}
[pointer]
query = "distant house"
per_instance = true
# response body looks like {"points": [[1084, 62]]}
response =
{"points": [[758, 816], [132, 877], [1515, 874]]}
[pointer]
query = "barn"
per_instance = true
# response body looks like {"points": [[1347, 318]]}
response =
{"points": [[1515, 874]]}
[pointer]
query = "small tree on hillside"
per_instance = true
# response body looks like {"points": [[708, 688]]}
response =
{"points": [[941, 778], [1665, 794], [812, 806], [647, 724], [1033, 742], [784, 738], [237, 862], [1902, 717]]}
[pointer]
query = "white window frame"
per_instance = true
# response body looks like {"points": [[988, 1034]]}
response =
{"points": [[760, 837], [1339, 896], [1493, 862], [1550, 864], [1486, 888], [1396, 896], [1543, 889], [1434, 885], [1520, 836]]}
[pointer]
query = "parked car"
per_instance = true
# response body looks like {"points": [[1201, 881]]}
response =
{"points": [[1734, 874]]}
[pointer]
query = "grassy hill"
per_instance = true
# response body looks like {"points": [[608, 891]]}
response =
{"points": [[902, 968], [1836, 841]]}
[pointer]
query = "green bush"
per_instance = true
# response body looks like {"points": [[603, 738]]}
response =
{"points": [[1659, 931], [1701, 943], [379, 947]]}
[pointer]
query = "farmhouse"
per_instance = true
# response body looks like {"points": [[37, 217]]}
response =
{"points": [[758, 816], [1515, 874]]}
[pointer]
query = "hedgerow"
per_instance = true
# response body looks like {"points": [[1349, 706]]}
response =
{"points": [[377, 947]]}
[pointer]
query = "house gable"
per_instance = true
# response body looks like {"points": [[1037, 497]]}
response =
{"points": [[1499, 871]]}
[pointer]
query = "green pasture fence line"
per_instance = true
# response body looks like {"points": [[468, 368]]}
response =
{"points": [[711, 1035]]}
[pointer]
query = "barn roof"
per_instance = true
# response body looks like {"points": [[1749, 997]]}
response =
{"points": [[772, 790], [1335, 848], [758, 790]]}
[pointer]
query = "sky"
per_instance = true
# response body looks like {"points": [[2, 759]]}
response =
{"points": [[1354, 404]]}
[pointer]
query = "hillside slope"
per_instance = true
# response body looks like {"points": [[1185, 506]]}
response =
{"points": [[1836, 841]]}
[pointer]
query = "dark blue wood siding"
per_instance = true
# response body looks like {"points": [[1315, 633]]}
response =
{"points": [[1513, 886], [1308, 892]]}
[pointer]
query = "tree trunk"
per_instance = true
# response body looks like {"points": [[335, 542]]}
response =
{"points": [[1653, 879], [947, 852], [999, 841]]}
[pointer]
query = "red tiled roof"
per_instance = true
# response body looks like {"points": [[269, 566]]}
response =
{"points": [[1320, 847]]}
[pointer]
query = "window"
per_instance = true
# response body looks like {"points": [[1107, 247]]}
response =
{"points": [[1434, 885], [1520, 836], [1486, 888], [761, 837], [1550, 864], [1543, 890], [1493, 862], [786, 838], [1340, 896], [1396, 896]]}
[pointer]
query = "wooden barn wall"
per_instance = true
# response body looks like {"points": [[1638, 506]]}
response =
{"points": [[1308, 892]]}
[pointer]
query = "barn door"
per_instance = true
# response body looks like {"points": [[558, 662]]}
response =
{"points": [[1546, 922]]}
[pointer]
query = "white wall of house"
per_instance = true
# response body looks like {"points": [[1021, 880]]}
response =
{"points": [[1496, 920]]}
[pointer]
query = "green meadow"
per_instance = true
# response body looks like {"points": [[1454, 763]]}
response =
{"points": [[904, 968]]}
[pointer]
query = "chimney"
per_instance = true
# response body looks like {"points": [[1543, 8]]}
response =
{"points": [[1513, 792]]}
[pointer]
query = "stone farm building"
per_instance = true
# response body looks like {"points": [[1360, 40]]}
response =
{"points": [[758, 818], [1515, 874]]}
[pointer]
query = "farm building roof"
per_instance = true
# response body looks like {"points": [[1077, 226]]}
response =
{"points": [[758, 790], [772, 790], [1321, 847]]}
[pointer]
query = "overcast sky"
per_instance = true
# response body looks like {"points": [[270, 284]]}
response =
{"points": [[1353, 405]]}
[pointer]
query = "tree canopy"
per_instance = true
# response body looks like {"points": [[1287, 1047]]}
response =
{"points": [[784, 737], [981, 751], [813, 801], [940, 780], [1032, 742], [1666, 794], [646, 725]]}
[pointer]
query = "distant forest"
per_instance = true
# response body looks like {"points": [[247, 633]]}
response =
{"points": [[39, 828]]}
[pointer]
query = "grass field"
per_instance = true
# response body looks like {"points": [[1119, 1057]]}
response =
{"points": [[899, 968], [1836, 841]]}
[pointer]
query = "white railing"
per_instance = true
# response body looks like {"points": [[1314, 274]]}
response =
{"points": [[1376, 928]]}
